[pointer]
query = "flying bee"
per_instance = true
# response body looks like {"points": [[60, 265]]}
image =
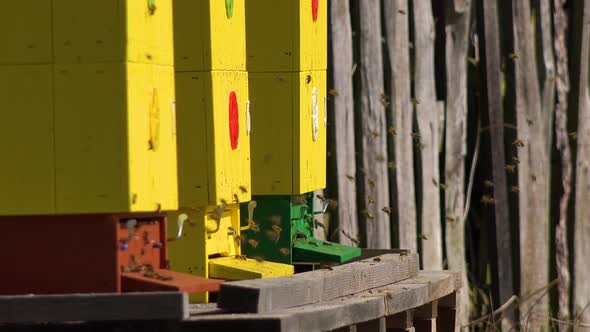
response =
{"points": [[434, 182], [271, 235], [277, 229], [529, 122], [236, 198], [223, 201], [487, 200], [384, 100], [391, 165], [401, 11], [415, 101], [380, 158], [350, 177], [333, 92], [516, 161], [488, 183], [275, 220], [317, 224], [450, 219], [259, 259], [510, 168], [444, 186], [241, 257], [387, 210], [514, 189], [518, 143], [573, 135], [370, 200], [243, 190], [321, 198], [284, 251], [391, 131], [371, 183], [254, 227], [300, 235], [253, 243], [423, 237], [368, 214], [513, 56]]}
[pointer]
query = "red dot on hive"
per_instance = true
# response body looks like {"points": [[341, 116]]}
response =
{"points": [[314, 9], [234, 123]]}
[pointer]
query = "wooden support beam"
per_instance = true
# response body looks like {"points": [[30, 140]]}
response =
{"points": [[402, 321], [32, 309], [265, 295]]}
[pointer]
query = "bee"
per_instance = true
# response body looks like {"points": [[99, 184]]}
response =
{"points": [[510, 168], [238, 239], [284, 251], [415, 101], [317, 224], [391, 131], [514, 189], [350, 177], [253, 243], [384, 100], [487, 200], [241, 257], [403, 253], [518, 143], [243, 189], [276, 219], [151, 145], [236, 198], [370, 200], [223, 202], [309, 228], [401, 11], [375, 134], [444, 186], [134, 199], [529, 122], [380, 158], [376, 259], [371, 183], [450, 219], [473, 61], [259, 259], [328, 244], [254, 227], [416, 136], [313, 243], [387, 210], [533, 178], [299, 199], [434, 182], [516, 161], [300, 235], [488, 183], [423, 237], [391, 165], [573, 135], [308, 79], [273, 236], [333, 92], [368, 214], [158, 207], [513, 56], [321, 198]]}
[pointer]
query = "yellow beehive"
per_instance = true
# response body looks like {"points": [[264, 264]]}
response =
{"points": [[287, 35], [209, 35], [213, 138], [91, 127], [289, 132]]}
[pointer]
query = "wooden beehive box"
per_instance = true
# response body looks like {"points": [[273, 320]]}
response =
{"points": [[287, 75], [91, 93]]}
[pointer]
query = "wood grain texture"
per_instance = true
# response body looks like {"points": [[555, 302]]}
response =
{"points": [[457, 46], [533, 170], [428, 125], [348, 310], [496, 115], [580, 99], [400, 127], [373, 182], [315, 286], [376, 325], [93, 307], [341, 135]]}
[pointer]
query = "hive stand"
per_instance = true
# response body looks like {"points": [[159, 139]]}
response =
{"points": [[213, 128], [92, 147], [287, 74]]}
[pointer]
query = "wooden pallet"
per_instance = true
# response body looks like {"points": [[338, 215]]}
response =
{"points": [[381, 293]]}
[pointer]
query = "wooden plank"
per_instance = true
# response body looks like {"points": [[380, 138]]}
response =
{"points": [[533, 169], [581, 106], [341, 135], [428, 125], [496, 115], [349, 310], [457, 47], [373, 184], [560, 22], [93, 307], [400, 141], [376, 325], [314, 286]]}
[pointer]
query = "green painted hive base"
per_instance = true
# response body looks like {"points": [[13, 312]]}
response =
{"points": [[284, 232]]}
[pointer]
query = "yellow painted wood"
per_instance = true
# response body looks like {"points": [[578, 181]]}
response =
{"points": [[285, 157], [206, 38], [112, 31], [309, 158], [25, 32], [294, 43], [210, 171], [114, 136], [234, 268], [27, 172]]}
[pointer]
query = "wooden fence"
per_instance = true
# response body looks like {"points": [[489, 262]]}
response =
{"points": [[459, 129]]}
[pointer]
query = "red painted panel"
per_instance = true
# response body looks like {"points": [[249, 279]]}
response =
{"points": [[314, 9], [181, 282], [234, 121]]}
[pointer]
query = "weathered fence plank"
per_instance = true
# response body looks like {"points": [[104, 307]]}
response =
{"points": [[341, 130], [560, 22], [581, 106], [533, 172], [400, 127], [427, 114], [457, 46], [374, 181], [496, 116]]}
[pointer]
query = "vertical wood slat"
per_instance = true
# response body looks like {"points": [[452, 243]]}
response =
{"points": [[427, 113], [560, 23], [457, 46], [373, 185], [496, 115], [343, 138], [400, 128], [533, 170], [581, 106]]}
